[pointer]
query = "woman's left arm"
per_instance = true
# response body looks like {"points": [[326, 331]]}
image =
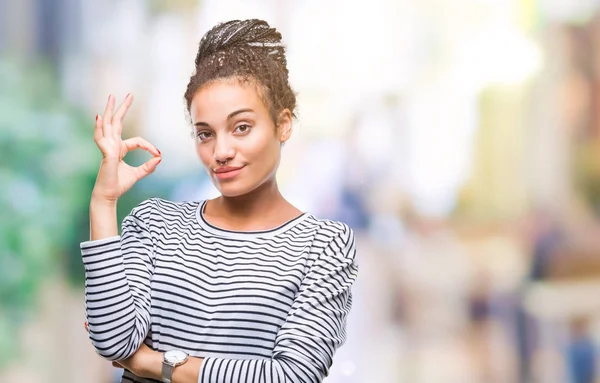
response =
{"points": [[147, 363], [304, 347]]}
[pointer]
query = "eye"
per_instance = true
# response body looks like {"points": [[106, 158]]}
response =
{"points": [[243, 128], [203, 135]]}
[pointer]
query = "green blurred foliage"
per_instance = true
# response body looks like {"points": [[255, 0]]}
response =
{"points": [[48, 166]]}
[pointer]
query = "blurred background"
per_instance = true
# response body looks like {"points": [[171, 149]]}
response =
{"points": [[460, 139]]}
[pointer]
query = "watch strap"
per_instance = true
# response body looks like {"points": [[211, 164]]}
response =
{"points": [[167, 372]]}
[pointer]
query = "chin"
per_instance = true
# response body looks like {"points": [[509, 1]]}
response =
{"points": [[232, 190], [232, 193], [239, 187]]}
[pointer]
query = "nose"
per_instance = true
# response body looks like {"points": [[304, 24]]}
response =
{"points": [[224, 150]]}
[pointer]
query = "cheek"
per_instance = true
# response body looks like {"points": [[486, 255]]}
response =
{"points": [[269, 157], [204, 153], [263, 149]]}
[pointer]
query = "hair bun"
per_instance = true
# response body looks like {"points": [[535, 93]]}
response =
{"points": [[245, 34], [248, 50]]}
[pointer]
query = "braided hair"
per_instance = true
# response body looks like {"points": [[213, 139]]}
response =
{"points": [[248, 51]]}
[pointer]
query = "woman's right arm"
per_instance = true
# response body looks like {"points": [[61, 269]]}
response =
{"points": [[118, 268], [118, 271], [103, 219]]}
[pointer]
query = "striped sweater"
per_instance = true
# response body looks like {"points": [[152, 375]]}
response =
{"points": [[263, 306]]}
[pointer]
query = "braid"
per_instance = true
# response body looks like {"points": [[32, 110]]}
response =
{"points": [[249, 50]]}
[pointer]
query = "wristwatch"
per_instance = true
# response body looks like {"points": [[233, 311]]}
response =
{"points": [[172, 359]]}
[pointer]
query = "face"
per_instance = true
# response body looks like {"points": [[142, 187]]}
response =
{"points": [[236, 138]]}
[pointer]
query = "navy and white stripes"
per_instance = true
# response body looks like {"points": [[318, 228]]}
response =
{"points": [[265, 306]]}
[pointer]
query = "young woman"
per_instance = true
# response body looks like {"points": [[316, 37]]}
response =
{"points": [[241, 288]]}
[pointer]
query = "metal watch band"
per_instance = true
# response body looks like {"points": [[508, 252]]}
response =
{"points": [[166, 373]]}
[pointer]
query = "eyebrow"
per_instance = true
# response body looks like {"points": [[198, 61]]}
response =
{"points": [[229, 117]]}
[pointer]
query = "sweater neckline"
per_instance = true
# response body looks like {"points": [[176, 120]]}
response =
{"points": [[204, 224]]}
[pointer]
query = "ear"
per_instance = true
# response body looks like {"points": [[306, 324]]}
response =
{"points": [[284, 125]]}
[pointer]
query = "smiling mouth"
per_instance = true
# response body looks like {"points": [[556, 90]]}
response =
{"points": [[227, 169], [227, 172]]}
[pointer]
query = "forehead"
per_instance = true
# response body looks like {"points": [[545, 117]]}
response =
{"points": [[219, 98]]}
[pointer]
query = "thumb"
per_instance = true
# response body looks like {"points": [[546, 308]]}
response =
{"points": [[148, 167]]}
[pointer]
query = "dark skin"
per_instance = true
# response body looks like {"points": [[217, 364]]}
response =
{"points": [[250, 201], [223, 212], [250, 140], [243, 119]]}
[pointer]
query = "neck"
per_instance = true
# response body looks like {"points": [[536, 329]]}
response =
{"points": [[260, 201]]}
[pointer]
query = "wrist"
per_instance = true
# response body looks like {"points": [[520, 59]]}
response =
{"points": [[102, 202], [103, 218], [151, 365]]}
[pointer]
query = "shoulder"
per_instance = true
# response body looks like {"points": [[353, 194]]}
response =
{"points": [[156, 208], [335, 235], [331, 229]]}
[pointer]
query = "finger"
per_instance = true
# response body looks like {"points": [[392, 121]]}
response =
{"points": [[107, 118], [108, 111], [98, 128], [85, 324], [122, 111], [148, 167], [139, 142]]}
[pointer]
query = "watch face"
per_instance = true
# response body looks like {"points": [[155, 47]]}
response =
{"points": [[175, 356]]}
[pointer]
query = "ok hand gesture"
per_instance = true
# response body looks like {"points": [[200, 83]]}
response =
{"points": [[115, 177]]}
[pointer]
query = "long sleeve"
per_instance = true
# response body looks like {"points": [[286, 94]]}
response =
{"points": [[313, 330], [118, 271]]}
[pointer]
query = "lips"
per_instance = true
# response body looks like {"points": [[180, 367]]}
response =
{"points": [[227, 172], [227, 169]]}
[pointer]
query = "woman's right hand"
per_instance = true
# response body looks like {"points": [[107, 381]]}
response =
{"points": [[115, 177]]}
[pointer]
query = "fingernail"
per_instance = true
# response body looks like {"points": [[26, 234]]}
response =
{"points": [[128, 94], [160, 159], [96, 117], [158, 150]]}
